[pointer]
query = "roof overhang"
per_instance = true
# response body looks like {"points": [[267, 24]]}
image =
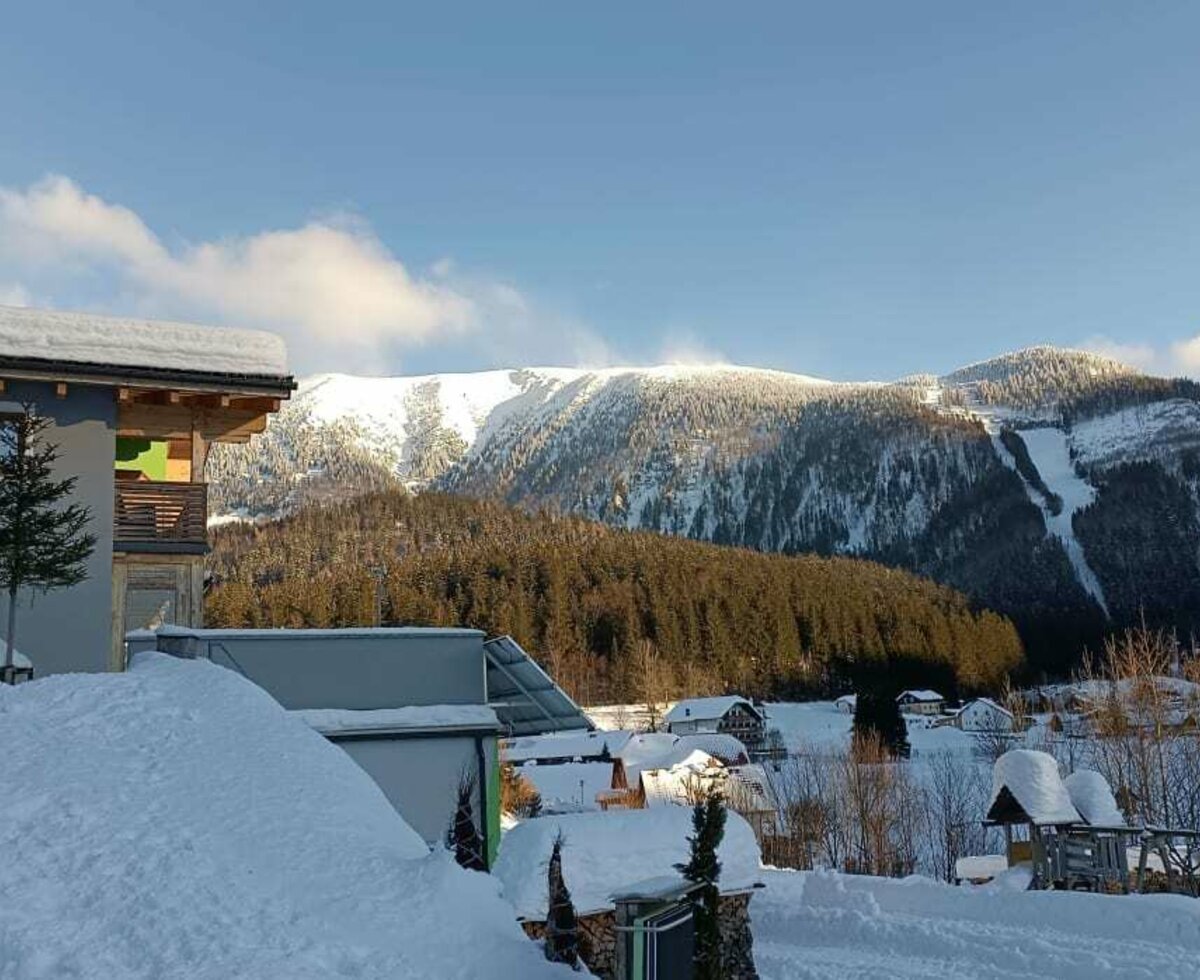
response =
{"points": [[118, 376]]}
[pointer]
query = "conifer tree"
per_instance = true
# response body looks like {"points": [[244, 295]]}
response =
{"points": [[562, 924], [43, 544], [704, 868], [876, 711], [464, 837]]}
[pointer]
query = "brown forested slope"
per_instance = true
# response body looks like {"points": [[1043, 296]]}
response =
{"points": [[611, 612]]}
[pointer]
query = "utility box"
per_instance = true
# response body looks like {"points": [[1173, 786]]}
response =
{"points": [[656, 930]]}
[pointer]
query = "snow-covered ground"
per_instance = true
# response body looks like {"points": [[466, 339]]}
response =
{"points": [[1140, 432], [175, 822], [819, 725], [827, 926]]}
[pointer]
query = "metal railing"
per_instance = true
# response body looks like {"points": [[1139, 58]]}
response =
{"points": [[162, 513]]}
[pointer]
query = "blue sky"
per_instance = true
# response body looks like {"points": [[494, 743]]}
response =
{"points": [[849, 190]]}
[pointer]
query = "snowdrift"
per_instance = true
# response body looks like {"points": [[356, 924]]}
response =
{"points": [[173, 821], [605, 852], [827, 926]]}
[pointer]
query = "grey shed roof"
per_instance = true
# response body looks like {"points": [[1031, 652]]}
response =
{"points": [[524, 697]]}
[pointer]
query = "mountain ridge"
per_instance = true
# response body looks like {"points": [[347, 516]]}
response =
{"points": [[938, 474]]}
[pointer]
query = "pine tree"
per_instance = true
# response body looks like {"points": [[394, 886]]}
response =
{"points": [[43, 545], [562, 925], [703, 867], [464, 838], [876, 711]]}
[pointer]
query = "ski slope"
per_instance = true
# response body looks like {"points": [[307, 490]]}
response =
{"points": [[825, 926], [1050, 454]]}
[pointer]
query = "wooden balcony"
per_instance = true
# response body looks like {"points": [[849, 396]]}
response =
{"points": [[162, 517]]}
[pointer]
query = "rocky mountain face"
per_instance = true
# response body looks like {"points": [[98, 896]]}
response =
{"points": [[1058, 487]]}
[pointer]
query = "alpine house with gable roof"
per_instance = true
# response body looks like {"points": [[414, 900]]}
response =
{"points": [[134, 406]]}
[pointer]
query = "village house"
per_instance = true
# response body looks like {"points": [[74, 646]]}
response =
{"points": [[921, 702], [134, 408], [986, 716], [846, 704], [728, 715]]}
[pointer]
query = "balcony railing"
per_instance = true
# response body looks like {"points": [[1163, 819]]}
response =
{"points": [[160, 516]]}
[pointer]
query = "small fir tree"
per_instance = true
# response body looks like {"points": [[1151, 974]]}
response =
{"points": [[703, 867], [44, 544], [562, 924], [605, 755], [464, 839]]}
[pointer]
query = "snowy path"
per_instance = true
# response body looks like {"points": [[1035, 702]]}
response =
{"points": [[835, 927]]}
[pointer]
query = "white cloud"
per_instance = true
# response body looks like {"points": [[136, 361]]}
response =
{"points": [[685, 347], [331, 287], [1186, 355], [14, 294], [1181, 358]]}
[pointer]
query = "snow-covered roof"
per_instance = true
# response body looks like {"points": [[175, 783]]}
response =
{"points": [[333, 721], [725, 747], [987, 703], [920, 694], [707, 709], [564, 745], [89, 338], [847, 699], [604, 853], [173, 821], [675, 784], [571, 786], [1032, 780], [19, 659], [1093, 798], [291, 635]]}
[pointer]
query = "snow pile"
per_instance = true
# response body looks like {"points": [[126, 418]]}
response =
{"points": [[604, 853], [1033, 780], [173, 821], [1093, 798], [331, 721], [88, 338], [824, 926]]}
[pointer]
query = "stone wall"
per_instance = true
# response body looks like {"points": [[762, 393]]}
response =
{"points": [[737, 941], [598, 940]]}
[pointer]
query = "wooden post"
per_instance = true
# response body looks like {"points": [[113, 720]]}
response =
{"points": [[199, 454]]}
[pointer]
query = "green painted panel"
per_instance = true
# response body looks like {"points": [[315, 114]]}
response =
{"points": [[493, 814], [142, 454]]}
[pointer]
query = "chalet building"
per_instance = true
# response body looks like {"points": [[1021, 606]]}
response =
{"points": [[921, 702], [984, 715], [134, 407], [729, 715]]}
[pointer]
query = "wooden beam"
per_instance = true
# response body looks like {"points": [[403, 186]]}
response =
{"points": [[173, 398], [199, 455], [60, 389], [179, 421], [2, 383], [124, 394]]}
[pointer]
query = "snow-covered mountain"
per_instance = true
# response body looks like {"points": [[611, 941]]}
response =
{"points": [[1043, 481]]}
